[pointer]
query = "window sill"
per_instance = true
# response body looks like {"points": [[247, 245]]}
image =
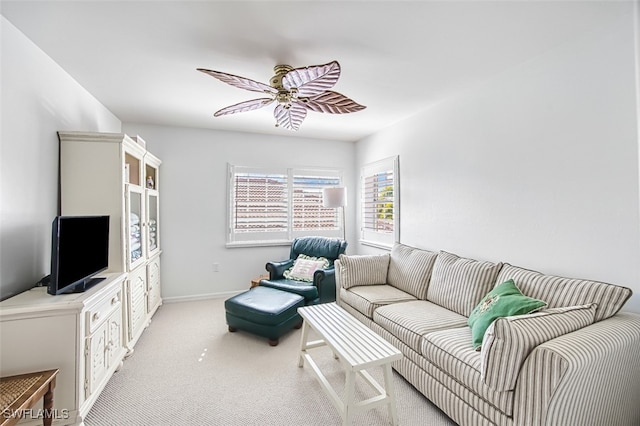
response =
{"points": [[376, 244], [240, 244]]}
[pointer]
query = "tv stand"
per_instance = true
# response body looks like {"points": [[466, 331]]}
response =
{"points": [[82, 335]]}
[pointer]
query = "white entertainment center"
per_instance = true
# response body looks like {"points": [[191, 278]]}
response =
{"points": [[87, 335]]}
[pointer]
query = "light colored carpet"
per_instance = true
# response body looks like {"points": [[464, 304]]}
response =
{"points": [[187, 369]]}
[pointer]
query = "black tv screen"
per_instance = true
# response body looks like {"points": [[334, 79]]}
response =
{"points": [[79, 250]]}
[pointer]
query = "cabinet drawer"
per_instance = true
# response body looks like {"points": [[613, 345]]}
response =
{"points": [[97, 314]]}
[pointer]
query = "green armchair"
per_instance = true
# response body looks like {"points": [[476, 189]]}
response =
{"points": [[323, 287]]}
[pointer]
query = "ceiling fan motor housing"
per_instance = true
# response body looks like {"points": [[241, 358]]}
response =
{"points": [[284, 96]]}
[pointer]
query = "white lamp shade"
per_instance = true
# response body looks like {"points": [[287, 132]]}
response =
{"points": [[334, 197]]}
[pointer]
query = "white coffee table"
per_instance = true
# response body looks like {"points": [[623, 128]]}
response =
{"points": [[358, 348]]}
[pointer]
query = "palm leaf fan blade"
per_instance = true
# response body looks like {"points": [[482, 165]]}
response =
{"points": [[244, 106], [240, 82], [332, 103], [289, 118], [312, 80]]}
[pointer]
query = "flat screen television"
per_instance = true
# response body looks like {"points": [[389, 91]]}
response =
{"points": [[79, 250]]}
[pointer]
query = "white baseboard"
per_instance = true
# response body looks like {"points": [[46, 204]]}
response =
{"points": [[190, 298]]}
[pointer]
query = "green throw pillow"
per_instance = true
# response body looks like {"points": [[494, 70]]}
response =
{"points": [[504, 300]]}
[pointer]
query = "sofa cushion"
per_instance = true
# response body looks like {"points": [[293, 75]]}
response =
{"points": [[503, 301], [422, 372], [366, 299], [409, 321], [451, 350], [458, 283], [452, 353], [359, 270], [410, 269], [510, 340], [561, 292]]}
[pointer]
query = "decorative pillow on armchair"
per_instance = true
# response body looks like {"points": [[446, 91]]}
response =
{"points": [[509, 341], [304, 268], [356, 270]]}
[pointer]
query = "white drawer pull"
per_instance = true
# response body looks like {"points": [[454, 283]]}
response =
{"points": [[96, 316]]}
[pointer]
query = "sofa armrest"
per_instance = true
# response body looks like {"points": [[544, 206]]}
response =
{"points": [[325, 280], [338, 267], [276, 269], [588, 377], [509, 340]]}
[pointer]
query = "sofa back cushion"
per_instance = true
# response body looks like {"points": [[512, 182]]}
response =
{"points": [[560, 292], [356, 270], [410, 269], [459, 284], [509, 340]]}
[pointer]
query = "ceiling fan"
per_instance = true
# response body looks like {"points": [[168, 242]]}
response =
{"points": [[296, 90]]}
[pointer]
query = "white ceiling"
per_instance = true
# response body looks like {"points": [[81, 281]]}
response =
{"points": [[139, 58]]}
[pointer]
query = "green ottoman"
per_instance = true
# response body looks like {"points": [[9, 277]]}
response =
{"points": [[264, 311]]}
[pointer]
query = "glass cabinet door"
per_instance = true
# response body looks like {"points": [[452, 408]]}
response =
{"points": [[153, 222], [135, 227]]}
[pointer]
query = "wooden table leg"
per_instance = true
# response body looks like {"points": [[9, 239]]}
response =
{"points": [[48, 404]]}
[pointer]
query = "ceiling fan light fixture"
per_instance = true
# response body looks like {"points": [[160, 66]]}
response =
{"points": [[296, 91]]}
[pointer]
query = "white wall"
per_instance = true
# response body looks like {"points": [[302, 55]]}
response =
{"points": [[193, 203], [38, 98], [538, 167]]}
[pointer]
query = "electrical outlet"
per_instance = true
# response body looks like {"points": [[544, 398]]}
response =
{"points": [[216, 267]]}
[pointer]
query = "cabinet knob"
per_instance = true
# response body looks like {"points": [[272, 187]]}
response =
{"points": [[96, 316]]}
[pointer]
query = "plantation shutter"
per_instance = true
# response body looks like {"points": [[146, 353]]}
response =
{"points": [[380, 206], [274, 205], [308, 212], [259, 204]]}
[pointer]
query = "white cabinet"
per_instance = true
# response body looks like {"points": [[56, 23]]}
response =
{"points": [[79, 333], [136, 305], [114, 174], [154, 298], [104, 344]]}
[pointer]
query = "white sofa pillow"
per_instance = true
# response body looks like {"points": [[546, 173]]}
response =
{"points": [[358, 270], [509, 340]]}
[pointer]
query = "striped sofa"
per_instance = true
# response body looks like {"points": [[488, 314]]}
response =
{"points": [[575, 362]]}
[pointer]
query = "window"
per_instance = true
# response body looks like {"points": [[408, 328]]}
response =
{"points": [[380, 203], [273, 206]]}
